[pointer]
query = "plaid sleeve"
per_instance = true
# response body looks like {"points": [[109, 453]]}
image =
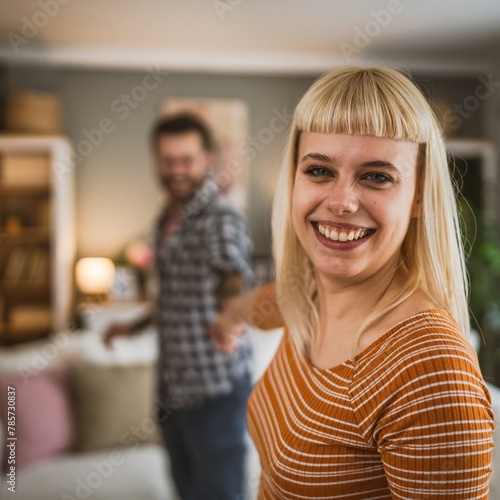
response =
{"points": [[229, 246]]}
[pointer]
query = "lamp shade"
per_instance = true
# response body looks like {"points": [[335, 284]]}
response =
{"points": [[94, 275]]}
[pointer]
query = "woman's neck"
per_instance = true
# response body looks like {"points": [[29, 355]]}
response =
{"points": [[352, 302]]}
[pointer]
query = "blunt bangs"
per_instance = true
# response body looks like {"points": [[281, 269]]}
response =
{"points": [[366, 102]]}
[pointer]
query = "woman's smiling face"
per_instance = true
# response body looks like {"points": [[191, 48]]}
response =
{"points": [[353, 198]]}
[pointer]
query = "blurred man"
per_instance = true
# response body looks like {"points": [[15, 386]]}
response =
{"points": [[202, 255]]}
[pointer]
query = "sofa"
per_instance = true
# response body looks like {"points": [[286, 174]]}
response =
{"points": [[85, 415], [85, 423]]}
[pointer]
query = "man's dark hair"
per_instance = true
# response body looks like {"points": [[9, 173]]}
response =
{"points": [[182, 124]]}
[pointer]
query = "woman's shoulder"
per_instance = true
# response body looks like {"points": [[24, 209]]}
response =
{"points": [[424, 358], [419, 321], [424, 344]]}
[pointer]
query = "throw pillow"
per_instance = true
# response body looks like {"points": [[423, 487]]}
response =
{"points": [[114, 405], [43, 414]]}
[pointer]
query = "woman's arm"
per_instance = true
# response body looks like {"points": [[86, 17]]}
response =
{"points": [[435, 435], [258, 308]]}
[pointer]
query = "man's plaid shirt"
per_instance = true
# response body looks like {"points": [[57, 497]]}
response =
{"points": [[211, 242]]}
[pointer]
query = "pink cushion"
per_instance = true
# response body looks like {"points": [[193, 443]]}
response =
{"points": [[44, 422]]}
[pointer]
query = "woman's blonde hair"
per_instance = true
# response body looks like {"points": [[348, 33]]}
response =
{"points": [[383, 103]]}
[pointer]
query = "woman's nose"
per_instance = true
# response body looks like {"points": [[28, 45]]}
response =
{"points": [[342, 199]]}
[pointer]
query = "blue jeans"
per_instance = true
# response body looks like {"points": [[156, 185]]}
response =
{"points": [[207, 446]]}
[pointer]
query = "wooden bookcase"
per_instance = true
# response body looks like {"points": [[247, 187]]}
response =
{"points": [[37, 236]]}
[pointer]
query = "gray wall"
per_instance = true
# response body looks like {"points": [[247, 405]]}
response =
{"points": [[117, 194]]}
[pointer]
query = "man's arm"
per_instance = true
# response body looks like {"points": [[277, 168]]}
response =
{"points": [[232, 285], [125, 329]]}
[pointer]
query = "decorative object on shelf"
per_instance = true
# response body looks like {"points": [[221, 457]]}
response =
{"points": [[12, 222], [33, 112], [94, 276], [133, 278], [125, 287], [26, 169], [140, 256]]}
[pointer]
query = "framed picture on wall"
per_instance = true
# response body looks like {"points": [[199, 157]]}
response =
{"points": [[228, 119]]}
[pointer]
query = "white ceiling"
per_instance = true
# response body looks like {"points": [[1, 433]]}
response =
{"points": [[251, 35]]}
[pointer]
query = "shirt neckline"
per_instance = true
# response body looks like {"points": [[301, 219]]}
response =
{"points": [[394, 329], [204, 195]]}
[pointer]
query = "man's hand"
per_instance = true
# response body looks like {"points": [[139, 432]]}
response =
{"points": [[115, 330], [226, 329]]}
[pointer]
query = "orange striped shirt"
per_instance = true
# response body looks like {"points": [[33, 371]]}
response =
{"points": [[411, 418]]}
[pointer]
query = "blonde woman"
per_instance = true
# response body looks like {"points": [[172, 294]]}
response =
{"points": [[374, 392]]}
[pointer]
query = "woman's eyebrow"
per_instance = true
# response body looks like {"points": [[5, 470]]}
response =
{"points": [[318, 157], [331, 159], [380, 164]]}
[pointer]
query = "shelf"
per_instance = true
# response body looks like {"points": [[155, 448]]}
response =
{"points": [[26, 235], [28, 190], [23, 289], [13, 335]]}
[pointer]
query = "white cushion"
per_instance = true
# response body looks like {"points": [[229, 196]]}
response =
{"points": [[123, 473]]}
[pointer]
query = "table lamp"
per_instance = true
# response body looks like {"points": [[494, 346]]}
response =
{"points": [[94, 276]]}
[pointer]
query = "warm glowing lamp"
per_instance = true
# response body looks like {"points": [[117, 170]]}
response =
{"points": [[94, 275]]}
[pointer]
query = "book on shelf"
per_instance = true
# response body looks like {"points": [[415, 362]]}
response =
{"points": [[40, 271], [14, 263], [43, 213], [30, 316], [27, 264], [25, 169]]}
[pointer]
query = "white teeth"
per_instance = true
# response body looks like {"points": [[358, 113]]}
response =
{"points": [[334, 235]]}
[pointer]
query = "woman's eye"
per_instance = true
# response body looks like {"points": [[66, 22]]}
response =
{"points": [[317, 171], [379, 178]]}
